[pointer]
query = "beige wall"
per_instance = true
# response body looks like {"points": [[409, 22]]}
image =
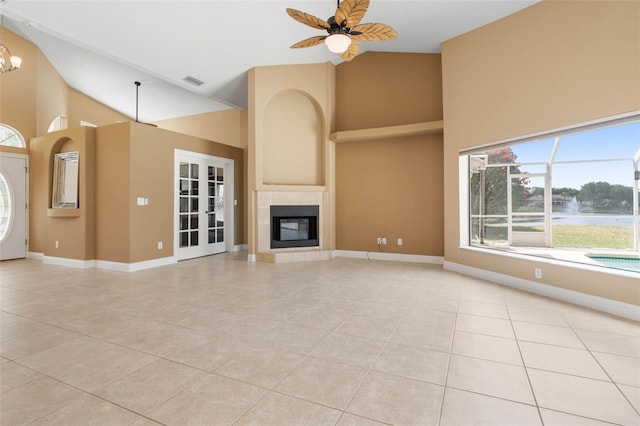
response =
{"points": [[74, 229], [151, 151], [391, 187], [52, 95], [83, 108], [18, 89], [379, 89], [113, 198], [551, 65], [131, 160], [228, 126], [274, 127], [292, 154], [313, 81]]}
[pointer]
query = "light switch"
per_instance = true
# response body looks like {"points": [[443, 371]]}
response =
{"points": [[140, 201]]}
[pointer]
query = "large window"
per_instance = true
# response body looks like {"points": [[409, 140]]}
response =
{"points": [[575, 193]]}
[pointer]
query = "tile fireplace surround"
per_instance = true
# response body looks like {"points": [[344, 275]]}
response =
{"points": [[265, 199]]}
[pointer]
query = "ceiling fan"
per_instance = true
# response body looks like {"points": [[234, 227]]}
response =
{"points": [[343, 29]]}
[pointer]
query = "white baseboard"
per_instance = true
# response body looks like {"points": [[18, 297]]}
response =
{"points": [[398, 257], [35, 256], [70, 263], [102, 264], [137, 266], [241, 247], [614, 307]]}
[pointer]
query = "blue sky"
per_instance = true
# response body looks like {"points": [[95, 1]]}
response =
{"points": [[621, 141]]}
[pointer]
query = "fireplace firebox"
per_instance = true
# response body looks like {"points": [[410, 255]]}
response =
{"points": [[294, 226]]}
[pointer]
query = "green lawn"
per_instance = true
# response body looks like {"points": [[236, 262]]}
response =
{"points": [[574, 236], [593, 236]]}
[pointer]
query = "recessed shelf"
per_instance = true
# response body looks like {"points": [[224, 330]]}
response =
{"points": [[424, 128], [63, 212]]}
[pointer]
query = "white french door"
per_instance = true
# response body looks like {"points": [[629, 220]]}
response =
{"points": [[13, 206], [204, 205]]}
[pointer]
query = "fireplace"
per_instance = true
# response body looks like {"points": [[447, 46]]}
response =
{"points": [[294, 226]]}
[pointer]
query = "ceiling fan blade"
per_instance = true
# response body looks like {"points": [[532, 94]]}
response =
{"points": [[351, 12], [351, 52], [373, 32], [308, 42], [307, 19]]}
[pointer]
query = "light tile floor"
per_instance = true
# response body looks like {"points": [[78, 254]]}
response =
{"points": [[220, 341]]}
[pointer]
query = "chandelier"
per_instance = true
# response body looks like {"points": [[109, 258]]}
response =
{"points": [[8, 62]]}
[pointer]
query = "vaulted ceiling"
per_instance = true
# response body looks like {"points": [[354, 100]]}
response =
{"points": [[101, 47]]}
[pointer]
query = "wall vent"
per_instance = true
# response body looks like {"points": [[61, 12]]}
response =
{"points": [[193, 80]]}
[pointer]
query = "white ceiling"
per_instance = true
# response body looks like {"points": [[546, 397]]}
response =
{"points": [[101, 47]]}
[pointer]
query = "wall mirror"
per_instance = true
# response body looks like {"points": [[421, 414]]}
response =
{"points": [[65, 180]]}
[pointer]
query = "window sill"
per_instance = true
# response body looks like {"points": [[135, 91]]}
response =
{"points": [[548, 261]]}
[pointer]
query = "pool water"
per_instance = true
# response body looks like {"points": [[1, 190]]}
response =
{"points": [[619, 262]]}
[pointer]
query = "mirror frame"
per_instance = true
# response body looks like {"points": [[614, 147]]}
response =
{"points": [[65, 180]]}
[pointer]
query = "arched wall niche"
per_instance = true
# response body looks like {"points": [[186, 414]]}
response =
{"points": [[64, 144], [293, 138]]}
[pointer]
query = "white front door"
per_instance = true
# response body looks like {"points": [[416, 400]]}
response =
{"points": [[13, 206], [204, 213]]}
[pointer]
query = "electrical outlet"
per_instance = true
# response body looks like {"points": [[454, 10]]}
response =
{"points": [[379, 240], [159, 245], [538, 273], [384, 241], [399, 241], [57, 244]]}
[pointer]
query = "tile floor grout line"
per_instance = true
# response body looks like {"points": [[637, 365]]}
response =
{"points": [[371, 367], [273, 388], [607, 373], [446, 373], [86, 393], [524, 367]]}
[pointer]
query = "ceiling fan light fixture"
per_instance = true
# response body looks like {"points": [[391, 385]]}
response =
{"points": [[338, 43], [8, 62], [16, 61]]}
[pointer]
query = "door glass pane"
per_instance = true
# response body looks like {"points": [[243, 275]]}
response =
{"points": [[184, 239], [212, 236], [194, 171], [194, 238], [184, 222], [6, 208], [211, 173], [220, 173], [194, 221], [220, 235], [184, 204], [184, 187], [194, 204], [212, 189], [194, 187], [212, 220], [220, 218], [184, 170]]}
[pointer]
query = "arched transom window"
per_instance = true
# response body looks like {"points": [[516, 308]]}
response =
{"points": [[10, 137]]}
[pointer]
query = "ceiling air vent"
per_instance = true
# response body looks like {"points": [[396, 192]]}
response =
{"points": [[193, 80]]}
